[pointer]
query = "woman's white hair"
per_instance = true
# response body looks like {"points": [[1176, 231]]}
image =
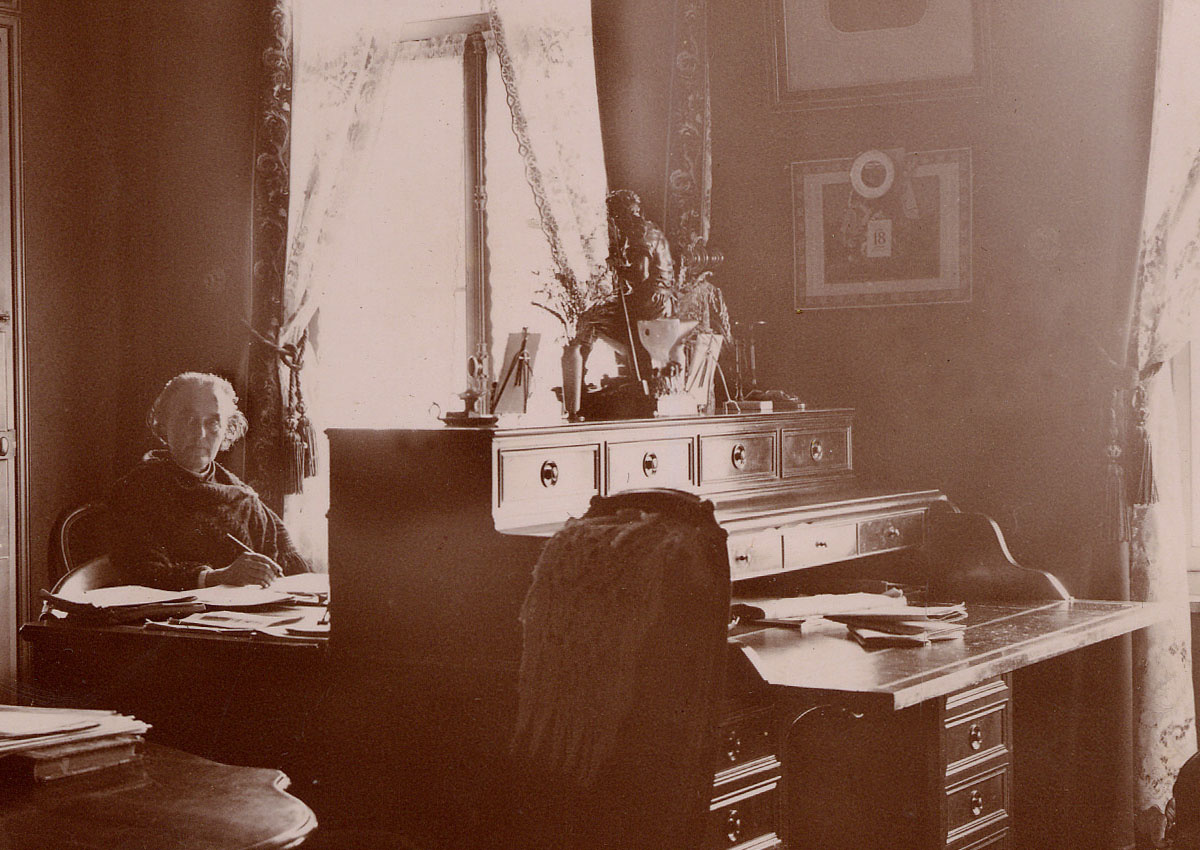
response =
{"points": [[160, 411]]}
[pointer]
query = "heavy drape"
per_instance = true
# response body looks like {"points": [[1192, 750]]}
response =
{"points": [[1167, 288]]}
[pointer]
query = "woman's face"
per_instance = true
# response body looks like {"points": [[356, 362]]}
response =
{"points": [[195, 427]]}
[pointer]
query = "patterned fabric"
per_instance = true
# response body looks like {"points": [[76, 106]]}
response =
{"points": [[1168, 286], [170, 524], [549, 72], [689, 136]]}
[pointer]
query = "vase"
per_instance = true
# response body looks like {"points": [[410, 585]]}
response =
{"points": [[572, 380]]}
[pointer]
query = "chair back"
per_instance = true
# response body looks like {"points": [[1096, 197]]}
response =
{"points": [[80, 535]]}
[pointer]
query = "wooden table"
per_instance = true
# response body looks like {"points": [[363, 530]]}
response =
{"points": [[257, 701], [999, 638], [914, 746], [170, 800]]}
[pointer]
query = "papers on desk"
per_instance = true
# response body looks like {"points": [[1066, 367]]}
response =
{"points": [[294, 622], [241, 596], [125, 604], [801, 608], [23, 728], [872, 619]]}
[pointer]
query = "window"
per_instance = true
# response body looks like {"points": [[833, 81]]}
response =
{"points": [[437, 249]]}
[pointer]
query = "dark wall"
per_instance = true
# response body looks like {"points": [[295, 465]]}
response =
{"points": [[138, 139], [1001, 401]]}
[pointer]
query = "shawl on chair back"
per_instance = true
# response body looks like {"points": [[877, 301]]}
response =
{"points": [[622, 672]]}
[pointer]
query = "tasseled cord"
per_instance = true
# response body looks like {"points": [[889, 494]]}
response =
{"points": [[1147, 489], [1116, 518], [299, 434]]}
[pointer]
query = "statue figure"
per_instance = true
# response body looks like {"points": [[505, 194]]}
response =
{"points": [[641, 258]]}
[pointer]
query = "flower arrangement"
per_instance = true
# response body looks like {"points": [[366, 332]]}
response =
{"points": [[569, 299], [694, 295]]}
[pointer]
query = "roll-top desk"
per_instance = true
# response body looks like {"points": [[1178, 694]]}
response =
{"points": [[433, 535]]}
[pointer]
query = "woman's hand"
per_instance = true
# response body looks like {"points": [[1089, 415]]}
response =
{"points": [[247, 568]]}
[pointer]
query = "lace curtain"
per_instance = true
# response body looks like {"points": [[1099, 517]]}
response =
{"points": [[549, 71], [1167, 289]]}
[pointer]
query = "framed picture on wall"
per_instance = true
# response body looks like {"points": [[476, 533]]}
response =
{"points": [[831, 53], [885, 227]]}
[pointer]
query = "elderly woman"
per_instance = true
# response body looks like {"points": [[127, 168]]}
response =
{"points": [[181, 520]]}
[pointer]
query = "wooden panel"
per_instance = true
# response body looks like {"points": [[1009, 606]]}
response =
{"points": [[975, 738], [726, 458], [746, 818], [650, 463]]}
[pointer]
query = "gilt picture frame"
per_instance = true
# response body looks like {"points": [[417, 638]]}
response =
{"points": [[882, 228], [842, 53]]}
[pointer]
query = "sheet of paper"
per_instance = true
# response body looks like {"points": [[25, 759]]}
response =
{"points": [[303, 583], [243, 596], [129, 594], [819, 605], [15, 723], [241, 620]]}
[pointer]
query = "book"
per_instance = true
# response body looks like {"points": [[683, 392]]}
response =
{"points": [[57, 761], [73, 726], [875, 638]]}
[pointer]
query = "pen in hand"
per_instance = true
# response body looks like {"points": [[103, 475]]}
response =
{"points": [[250, 551]]}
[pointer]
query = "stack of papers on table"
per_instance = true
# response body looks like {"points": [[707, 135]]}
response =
{"points": [[910, 625], [37, 744], [796, 609], [124, 604], [294, 622]]}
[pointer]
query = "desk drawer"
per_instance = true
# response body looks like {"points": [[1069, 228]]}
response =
{"points": [[891, 532], [554, 477], [977, 807], [755, 553], [809, 545], [650, 463], [975, 738], [744, 746], [813, 452], [745, 819], [737, 457]]}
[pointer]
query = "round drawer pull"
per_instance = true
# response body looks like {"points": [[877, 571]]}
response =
{"points": [[549, 473], [734, 826], [742, 557], [649, 464], [817, 450], [892, 533], [976, 802], [738, 456], [975, 737], [5, 445], [733, 747]]}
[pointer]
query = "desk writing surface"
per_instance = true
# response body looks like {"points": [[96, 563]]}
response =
{"points": [[999, 638], [171, 799]]}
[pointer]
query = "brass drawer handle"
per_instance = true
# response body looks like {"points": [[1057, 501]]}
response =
{"points": [[891, 534], [733, 747], [738, 456], [976, 802], [734, 828], [821, 544], [649, 464], [549, 473], [975, 737], [817, 450]]}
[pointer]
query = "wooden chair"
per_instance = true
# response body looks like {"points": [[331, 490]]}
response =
{"points": [[77, 556]]}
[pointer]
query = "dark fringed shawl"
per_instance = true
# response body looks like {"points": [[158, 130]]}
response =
{"points": [[622, 674], [169, 524]]}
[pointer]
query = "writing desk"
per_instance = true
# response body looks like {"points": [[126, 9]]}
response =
{"points": [[233, 698], [170, 799]]}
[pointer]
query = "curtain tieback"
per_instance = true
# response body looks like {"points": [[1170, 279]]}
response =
{"points": [[300, 438], [1147, 490]]}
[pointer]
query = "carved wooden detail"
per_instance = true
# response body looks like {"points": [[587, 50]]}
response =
{"points": [[272, 163], [688, 196]]}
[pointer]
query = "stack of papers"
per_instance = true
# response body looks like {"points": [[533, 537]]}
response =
{"points": [[297, 622], [124, 604], [911, 625], [23, 728]]}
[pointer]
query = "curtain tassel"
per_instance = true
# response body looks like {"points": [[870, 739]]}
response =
{"points": [[300, 460], [1147, 489], [1117, 521]]}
